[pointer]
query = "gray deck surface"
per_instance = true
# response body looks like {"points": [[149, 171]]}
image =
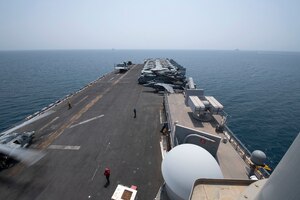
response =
{"points": [[128, 146], [232, 165]]}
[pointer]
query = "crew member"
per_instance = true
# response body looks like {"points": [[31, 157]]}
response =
{"points": [[69, 104], [107, 174]]}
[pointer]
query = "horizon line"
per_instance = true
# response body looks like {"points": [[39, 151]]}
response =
{"points": [[133, 49]]}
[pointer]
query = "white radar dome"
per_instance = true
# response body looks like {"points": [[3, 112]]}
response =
{"points": [[183, 165]]}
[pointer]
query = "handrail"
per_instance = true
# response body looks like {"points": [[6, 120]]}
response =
{"points": [[244, 153], [240, 148], [168, 115]]}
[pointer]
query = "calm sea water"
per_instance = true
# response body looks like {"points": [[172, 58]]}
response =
{"points": [[260, 90]]}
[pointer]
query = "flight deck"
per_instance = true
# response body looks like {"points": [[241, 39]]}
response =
{"points": [[98, 131]]}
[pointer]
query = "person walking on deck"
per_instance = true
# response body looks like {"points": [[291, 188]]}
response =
{"points": [[134, 112], [69, 104], [107, 174]]}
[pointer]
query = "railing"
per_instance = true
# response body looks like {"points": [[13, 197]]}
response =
{"points": [[170, 122], [235, 142], [245, 154]]}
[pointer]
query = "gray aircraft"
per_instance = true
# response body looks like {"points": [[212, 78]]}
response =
{"points": [[13, 149], [160, 86]]}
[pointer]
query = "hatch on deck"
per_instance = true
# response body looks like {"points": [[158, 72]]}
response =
{"points": [[124, 193]]}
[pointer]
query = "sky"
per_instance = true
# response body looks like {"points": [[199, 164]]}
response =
{"points": [[157, 24]]}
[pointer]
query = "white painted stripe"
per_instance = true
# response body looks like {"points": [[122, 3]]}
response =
{"points": [[86, 121], [81, 100], [53, 120], [95, 172], [106, 147], [162, 149], [111, 79], [160, 117], [64, 147]]}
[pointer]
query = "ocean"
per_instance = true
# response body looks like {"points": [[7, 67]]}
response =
{"points": [[260, 90]]}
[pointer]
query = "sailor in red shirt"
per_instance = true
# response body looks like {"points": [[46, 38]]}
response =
{"points": [[107, 174]]}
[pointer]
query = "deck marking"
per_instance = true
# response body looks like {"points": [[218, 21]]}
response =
{"points": [[86, 121], [64, 147], [60, 131], [57, 133], [111, 79], [162, 149], [53, 120], [106, 147], [81, 100], [160, 117], [95, 172]]}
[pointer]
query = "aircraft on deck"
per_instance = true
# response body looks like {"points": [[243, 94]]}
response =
{"points": [[13, 149]]}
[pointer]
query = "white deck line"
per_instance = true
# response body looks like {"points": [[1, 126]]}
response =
{"points": [[64, 147], [81, 100], [86, 121]]}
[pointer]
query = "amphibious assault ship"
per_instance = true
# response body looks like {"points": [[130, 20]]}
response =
{"points": [[178, 131]]}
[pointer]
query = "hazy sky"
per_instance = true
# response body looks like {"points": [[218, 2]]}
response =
{"points": [[156, 24]]}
